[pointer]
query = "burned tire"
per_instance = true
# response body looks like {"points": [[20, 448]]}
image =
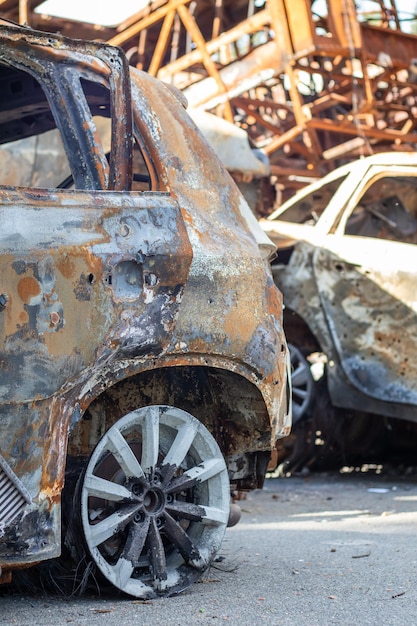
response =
{"points": [[311, 443], [303, 386], [154, 502]]}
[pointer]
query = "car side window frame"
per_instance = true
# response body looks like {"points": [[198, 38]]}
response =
{"points": [[378, 174]]}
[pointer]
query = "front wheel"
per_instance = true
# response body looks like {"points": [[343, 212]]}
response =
{"points": [[154, 501]]}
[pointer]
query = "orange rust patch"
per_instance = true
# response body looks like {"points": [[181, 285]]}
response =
{"points": [[23, 317], [5, 576], [66, 266], [28, 288]]}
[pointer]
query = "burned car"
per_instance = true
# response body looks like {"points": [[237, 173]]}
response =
{"points": [[347, 268], [137, 368]]}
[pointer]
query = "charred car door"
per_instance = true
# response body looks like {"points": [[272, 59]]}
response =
{"points": [[366, 272]]}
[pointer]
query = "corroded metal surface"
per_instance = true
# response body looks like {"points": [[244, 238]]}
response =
{"points": [[114, 298]]}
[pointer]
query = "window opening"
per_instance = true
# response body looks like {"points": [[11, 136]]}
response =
{"points": [[387, 210], [309, 208]]}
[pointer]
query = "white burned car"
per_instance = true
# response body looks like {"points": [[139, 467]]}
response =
{"points": [[347, 268]]}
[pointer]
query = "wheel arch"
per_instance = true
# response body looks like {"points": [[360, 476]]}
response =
{"points": [[227, 403]]}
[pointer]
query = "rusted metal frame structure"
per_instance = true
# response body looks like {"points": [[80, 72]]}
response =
{"points": [[312, 90], [349, 61], [208, 57], [167, 14], [347, 70], [346, 114]]}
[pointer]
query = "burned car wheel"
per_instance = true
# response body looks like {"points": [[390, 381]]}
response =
{"points": [[154, 501], [302, 384]]}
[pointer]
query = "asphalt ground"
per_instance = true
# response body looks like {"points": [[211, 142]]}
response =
{"points": [[314, 550]]}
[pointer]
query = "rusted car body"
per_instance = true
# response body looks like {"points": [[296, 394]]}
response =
{"points": [[134, 357], [347, 268]]}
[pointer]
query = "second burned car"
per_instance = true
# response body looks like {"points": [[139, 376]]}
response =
{"points": [[347, 267]]}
